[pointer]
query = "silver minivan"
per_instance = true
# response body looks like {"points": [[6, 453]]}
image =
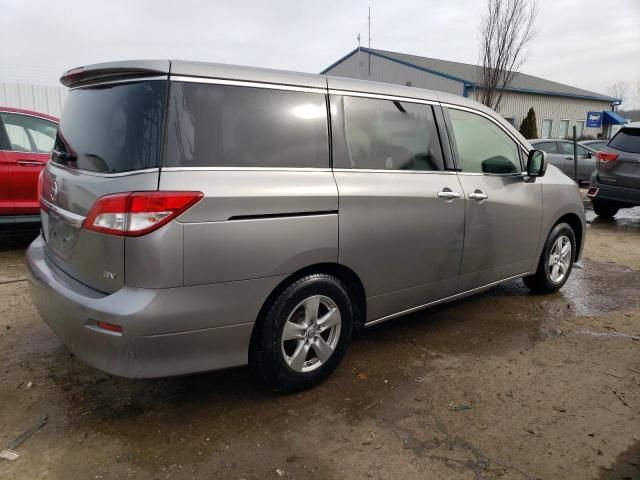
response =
{"points": [[200, 216]]}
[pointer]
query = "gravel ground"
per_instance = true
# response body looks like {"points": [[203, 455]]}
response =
{"points": [[503, 385]]}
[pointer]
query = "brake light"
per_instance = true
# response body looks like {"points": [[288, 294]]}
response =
{"points": [[607, 156], [592, 192], [133, 214]]}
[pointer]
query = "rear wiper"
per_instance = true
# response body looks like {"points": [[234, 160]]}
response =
{"points": [[64, 156]]}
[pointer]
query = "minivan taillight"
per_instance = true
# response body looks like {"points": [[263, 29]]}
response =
{"points": [[607, 156], [133, 214]]}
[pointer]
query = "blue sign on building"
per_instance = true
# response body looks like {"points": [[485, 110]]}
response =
{"points": [[594, 119]]}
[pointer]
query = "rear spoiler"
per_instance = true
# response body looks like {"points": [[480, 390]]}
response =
{"points": [[101, 72]]}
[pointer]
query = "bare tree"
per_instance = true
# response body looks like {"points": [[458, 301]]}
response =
{"points": [[619, 90], [506, 30]]}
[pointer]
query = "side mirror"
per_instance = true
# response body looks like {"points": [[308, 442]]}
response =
{"points": [[537, 163], [588, 155]]}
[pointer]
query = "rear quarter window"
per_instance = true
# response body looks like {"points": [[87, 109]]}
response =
{"points": [[627, 140], [238, 127]]}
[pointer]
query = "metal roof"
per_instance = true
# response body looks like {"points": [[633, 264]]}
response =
{"points": [[468, 74]]}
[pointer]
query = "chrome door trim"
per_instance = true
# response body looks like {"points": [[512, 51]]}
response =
{"points": [[381, 96], [245, 169], [246, 83], [442, 300], [475, 174], [68, 217], [102, 174], [382, 170]]}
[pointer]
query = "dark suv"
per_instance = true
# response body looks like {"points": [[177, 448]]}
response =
{"points": [[615, 183]]}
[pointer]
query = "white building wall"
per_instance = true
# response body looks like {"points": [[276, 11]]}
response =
{"points": [[546, 106], [40, 98], [383, 70]]}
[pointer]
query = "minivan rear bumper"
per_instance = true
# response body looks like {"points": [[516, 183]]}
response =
{"points": [[165, 332]]}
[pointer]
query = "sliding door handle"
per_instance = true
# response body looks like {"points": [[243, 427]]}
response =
{"points": [[448, 194], [478, 195]]}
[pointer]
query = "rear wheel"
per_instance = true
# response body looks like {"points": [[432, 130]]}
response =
{"points": [[304, 335], [556, 261], [604, 209]]}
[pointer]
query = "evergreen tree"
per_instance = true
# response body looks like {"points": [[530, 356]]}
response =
{"points": [[528, 127]]}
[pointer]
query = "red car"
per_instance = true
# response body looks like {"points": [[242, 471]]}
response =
{"points": [[26, 140]]}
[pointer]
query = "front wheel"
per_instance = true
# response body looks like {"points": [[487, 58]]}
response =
{"points": [[556, 261], [304, 335]]}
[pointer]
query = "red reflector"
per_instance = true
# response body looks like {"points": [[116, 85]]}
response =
{"points": [[110, 326], [40, 181], [133, 214], [592, 192], [606, 156]]}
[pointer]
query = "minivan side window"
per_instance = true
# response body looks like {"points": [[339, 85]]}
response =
{"points": [[29, 134], [213, 125], [482, 146], [385, 135]]}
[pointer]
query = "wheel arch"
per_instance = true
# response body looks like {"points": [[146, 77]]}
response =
{"points": [[575, 223], [348, 277]]}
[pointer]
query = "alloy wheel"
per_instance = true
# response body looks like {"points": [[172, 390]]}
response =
{"points": [[311, 333], [560, 259]]}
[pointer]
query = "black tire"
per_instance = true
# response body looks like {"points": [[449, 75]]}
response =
{"points": [[267, 352], [542, 281], [604, 209]]}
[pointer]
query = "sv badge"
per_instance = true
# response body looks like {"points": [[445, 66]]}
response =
{"points": [[109, 275]]}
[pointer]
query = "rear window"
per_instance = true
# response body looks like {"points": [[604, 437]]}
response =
{"points": [[627, 140], [112, 128], [232, 126]]}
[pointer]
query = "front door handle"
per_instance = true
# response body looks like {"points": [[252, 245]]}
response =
{"points": [[30, 163], [478, 195], [448, 194]]}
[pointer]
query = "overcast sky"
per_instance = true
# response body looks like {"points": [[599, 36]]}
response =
{"points": [[585, 43]]}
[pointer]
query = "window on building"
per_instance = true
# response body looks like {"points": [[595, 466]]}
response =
{"points": [[547, 128], [580, 128], [564, 128], [511, 120], [387, 135], [482, 146], [230, 126]]}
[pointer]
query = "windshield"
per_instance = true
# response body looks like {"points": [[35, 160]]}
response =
{"points": [[112, 128]]}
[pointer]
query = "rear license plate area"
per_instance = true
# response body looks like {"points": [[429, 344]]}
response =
{"points": [[61, 236]]}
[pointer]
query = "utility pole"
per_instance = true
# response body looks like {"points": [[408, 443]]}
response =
{"points": [[358, 56], [369, 21]]}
